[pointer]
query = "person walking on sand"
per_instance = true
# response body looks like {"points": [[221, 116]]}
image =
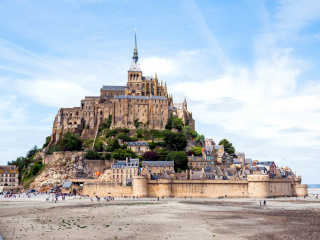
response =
{"points": [[260, 203], [264, 203]]}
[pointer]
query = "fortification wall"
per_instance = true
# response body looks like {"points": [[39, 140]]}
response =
{"points": [[299, 190], [106, 189], [257, 186], [198, 188], [262, 186]]}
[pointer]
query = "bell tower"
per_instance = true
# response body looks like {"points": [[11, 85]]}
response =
{"points": [[134, 72]]}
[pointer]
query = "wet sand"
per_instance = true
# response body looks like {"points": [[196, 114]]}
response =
{"points": [[75, 218]]}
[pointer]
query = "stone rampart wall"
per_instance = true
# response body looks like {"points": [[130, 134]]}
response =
{"points": [[106, 189], [198, 188], [255, 187]]}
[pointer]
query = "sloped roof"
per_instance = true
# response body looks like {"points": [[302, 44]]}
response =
{"points": [[196, 159], [117, 88], [67, 184], [138, 144], [165, 175], [134, 67], [161, 163], [269, 163]]}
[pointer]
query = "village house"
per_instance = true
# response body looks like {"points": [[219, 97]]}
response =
{"points": [[124, 171], [157, 168], [270, 166], [196, 162], [139, 147], [9, 176], [212, 172]]}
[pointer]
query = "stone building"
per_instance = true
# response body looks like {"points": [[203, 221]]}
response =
{"points": [[9, 176], [157, 168], [124, 171], [143, 99], [196, 162], [139, 147]]}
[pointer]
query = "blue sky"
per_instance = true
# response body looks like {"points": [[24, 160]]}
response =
{"points": [[249, 69]]}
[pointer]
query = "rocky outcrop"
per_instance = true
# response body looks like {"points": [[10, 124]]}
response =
{"points": [[68, 165]]}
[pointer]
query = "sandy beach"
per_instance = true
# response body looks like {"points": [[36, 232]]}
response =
{"points": [[75, 218]]}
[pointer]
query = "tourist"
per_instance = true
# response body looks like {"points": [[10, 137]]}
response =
{"points": [[264, 203]]}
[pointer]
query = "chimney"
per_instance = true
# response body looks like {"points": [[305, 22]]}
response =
{"points": [[127, 159], [192, 155]]}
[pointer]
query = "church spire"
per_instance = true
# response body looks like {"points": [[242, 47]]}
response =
{"points": [[135, 49], [135, 67]]}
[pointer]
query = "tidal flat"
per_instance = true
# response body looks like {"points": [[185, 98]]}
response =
{"points": [[169, 218]]}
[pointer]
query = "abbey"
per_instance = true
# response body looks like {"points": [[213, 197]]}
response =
{"points": [[142, 100]]}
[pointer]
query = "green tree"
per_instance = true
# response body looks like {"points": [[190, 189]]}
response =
{"points": [[115, 145], [162, 154], [137, 123], [71, 142], [32, 151], [200, 138], [177, 123], [175, 141], [197, 151], [228, 147], [48, 139], [180, 160], [169, 122]]}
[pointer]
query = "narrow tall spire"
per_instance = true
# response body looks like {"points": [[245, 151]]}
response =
{"points": [[135, 49]]}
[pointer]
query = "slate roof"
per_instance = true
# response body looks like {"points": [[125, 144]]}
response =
{"points": [[196, 159], [217, 146], [165, 175], [117, 88], [140, 97], [67, 184], [147, 78], [123, 164], [240, 154], [196, 175], [138, 144], [237, 162], [161, 163], [208, 148], [247, 160], [134, 67], [269, 163]]}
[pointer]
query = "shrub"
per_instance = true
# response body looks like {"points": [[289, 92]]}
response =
{"points": [[93, 155], [71, 142], [107, 156], [197, 151], [98, 146], [150, 156], [137, 123], [123, 136]]}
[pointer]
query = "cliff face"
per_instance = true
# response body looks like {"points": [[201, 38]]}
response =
{"points": [[68, 165], [55, 174]]}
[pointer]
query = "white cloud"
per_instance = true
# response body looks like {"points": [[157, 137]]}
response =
{"points": [[56, 93], [12, 116]]}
